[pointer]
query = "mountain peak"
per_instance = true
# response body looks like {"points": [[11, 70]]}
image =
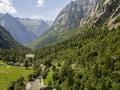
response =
{"points": [[7, 15], [71, 15]]}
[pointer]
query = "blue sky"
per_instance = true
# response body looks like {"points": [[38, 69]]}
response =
{"points": [[37, 9]]}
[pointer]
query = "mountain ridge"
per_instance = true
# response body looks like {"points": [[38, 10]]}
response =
{"points": [[6, 40], [17, 30], [37, 26]]}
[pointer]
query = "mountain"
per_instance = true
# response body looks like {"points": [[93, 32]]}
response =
{"points": [[80, 13], [104, 10], [6, 40], [68, 19], [49, 22], [71, 15], [89, 60], [17, 30], [34, 25]]}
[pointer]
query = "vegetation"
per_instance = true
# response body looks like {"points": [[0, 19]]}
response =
{"points": [[10, 74], [117, 20], [12, 55], [79, 59], [17, 85], [51, 37], [87, 61], [14, 68], [91, 61]]}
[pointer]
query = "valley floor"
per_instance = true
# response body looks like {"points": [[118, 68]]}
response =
{"points": [[9, 73], [35, 85]]}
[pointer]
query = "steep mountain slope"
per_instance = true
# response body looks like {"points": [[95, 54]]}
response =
{"points": [[34, 25], [83, 13], [72, 14], [6, 40], [17, 30], [89, 60], [51, 38], [103, 10]]}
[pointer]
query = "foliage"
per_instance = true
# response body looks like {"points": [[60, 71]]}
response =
{"points": [[12, 55], [91, 61], [11, 73], [17, 85], [117, 20]]}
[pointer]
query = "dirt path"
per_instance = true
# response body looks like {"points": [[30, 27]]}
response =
{"points": [[35, 85]]}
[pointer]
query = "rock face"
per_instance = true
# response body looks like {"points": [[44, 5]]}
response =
{"points": [[17, 30], [114, 19], [34, 25], [86, 12], [6, 40], [103, 10], [71, 16]]}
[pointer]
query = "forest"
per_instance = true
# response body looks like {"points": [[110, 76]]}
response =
{"points": [[88, 61]]}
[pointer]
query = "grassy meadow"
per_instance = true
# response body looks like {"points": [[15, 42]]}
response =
{"points": [[10, 73]]}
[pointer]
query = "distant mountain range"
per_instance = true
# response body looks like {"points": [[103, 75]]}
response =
{"points": [[23, 30], [16, 29], [34, 25]]}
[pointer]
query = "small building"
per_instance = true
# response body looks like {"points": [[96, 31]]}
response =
{"points": [[10, 63], [29, 56], [17, 64]]}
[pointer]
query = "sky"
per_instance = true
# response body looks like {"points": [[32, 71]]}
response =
{"points": [[35, 9]]}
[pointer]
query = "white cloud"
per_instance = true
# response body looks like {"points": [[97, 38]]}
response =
{"points": [[40, 3], [7, 7]]}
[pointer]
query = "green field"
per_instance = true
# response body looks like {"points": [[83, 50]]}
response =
{"points": [[10, 73]]}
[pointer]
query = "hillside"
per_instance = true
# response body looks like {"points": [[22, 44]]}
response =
{"points": [[6, 40], [86, 13], [89, 60]]}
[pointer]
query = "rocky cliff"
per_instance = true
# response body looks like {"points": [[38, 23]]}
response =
{"points": [[87, 12], [103, 11], [71, 15]]}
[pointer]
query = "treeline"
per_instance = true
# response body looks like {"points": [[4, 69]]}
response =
{"points": [[91, 61], [12, 55], [37, 72], [17, 85]]}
